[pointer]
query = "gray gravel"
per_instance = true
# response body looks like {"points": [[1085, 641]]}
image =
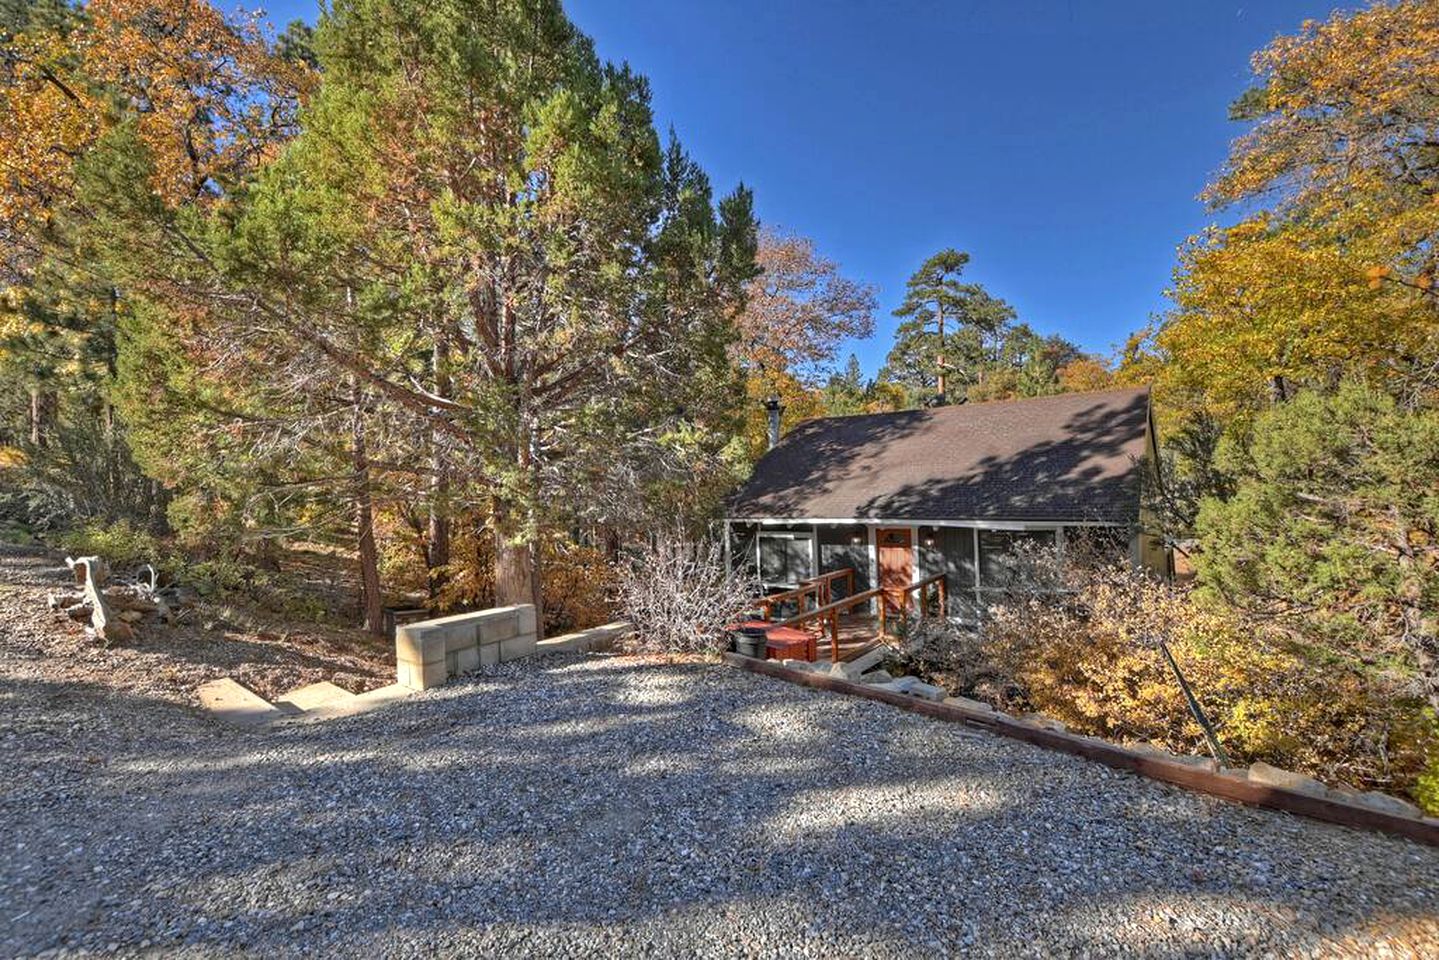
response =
{"points": [[603, 806]]}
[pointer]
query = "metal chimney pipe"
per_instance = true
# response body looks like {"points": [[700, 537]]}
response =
{"points": [[775, 409]]}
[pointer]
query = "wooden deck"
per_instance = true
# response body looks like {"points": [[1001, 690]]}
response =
{"points": [[842, 625], [856, 630]]}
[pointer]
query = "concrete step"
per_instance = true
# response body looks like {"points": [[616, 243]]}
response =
{"points": [[232, 702], [355, 703], [313, 695]]}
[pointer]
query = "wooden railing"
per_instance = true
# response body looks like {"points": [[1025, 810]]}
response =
{"points": [[826, 584], [767, 604], [831, 611], [941, 590], [820, 587]]}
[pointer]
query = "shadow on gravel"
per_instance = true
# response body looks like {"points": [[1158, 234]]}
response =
{"points": [[585, 794]]}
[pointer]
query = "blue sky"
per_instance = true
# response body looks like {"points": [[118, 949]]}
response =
{"points": [[1060, 143]]}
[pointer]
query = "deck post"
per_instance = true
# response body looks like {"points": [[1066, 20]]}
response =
{"points": [[834, 637]]}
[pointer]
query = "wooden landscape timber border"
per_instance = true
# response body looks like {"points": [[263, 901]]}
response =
{"points": [[1229, 787]]}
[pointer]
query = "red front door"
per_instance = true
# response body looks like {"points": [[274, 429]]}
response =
{"points": [[896, 565]]}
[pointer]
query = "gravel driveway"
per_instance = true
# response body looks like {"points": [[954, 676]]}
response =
{"points": [[603, 806]]}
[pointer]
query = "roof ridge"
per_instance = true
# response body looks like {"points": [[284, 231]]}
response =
{"points": [[1008, 401]]}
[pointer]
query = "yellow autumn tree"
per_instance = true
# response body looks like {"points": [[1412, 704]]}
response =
{"points": [[206, 94], [1335, 277]]}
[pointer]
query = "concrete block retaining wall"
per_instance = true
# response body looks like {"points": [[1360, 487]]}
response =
{"points": [[584, 641], [430, 652]]}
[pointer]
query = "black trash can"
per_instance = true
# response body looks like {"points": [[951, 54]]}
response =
{"points": [[749, 641]]}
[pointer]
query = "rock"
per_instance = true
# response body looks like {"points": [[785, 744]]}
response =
{"points": [[1375, 800], [969, 704], [916, 687], [877, 676], [1261, 772], [130, 616], [860, 665], [1043, 722], [1145, 747], [927, 690]]}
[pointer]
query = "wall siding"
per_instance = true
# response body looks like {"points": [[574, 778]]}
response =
{"points": [[836, 551]]}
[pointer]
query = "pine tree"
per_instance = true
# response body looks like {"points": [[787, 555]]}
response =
{"points": [[968, 324]]}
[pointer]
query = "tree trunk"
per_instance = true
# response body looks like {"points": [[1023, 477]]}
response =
{"points": [[1418, 636], [517, 575], [42, 416], [370, 599], [438, 553], [610, 538]]}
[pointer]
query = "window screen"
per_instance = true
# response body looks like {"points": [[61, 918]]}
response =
{"points": [[784, 558]]}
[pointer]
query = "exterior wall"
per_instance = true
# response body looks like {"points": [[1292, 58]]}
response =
{"points": [[844, 546], [949, 548]]}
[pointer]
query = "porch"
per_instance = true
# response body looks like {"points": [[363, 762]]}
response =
{"points": [[837, 622]]}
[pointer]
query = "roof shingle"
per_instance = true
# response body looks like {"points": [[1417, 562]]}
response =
{"points": [[1073, 457]]}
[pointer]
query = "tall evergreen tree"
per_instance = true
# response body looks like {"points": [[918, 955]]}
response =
{"points": [[479, 229], [967, 323]]}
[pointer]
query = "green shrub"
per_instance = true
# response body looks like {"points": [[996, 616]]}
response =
{"points": [[123, 545]]}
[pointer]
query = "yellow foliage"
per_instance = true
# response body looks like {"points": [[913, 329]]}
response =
{"points": [[1257, 304], [1088, 656], [1335, 278], [197, 85], [576, 581], [1084, 375], [800, 403]]}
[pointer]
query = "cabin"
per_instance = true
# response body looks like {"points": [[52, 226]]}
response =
{"points": [[896, 502]]}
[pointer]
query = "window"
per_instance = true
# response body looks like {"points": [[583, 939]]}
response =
{"points": [[1097, 544], [785, 558], [1000, 553]]}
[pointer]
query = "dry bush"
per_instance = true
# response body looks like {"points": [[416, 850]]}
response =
{"points": [[576, 581], [680, 594], [1084, 649]]}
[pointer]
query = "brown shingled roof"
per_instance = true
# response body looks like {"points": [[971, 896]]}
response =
{"points": [[1074, 456]]}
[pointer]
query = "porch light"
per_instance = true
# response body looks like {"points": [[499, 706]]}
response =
{"points": [[928, 538], [856, 539]]}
